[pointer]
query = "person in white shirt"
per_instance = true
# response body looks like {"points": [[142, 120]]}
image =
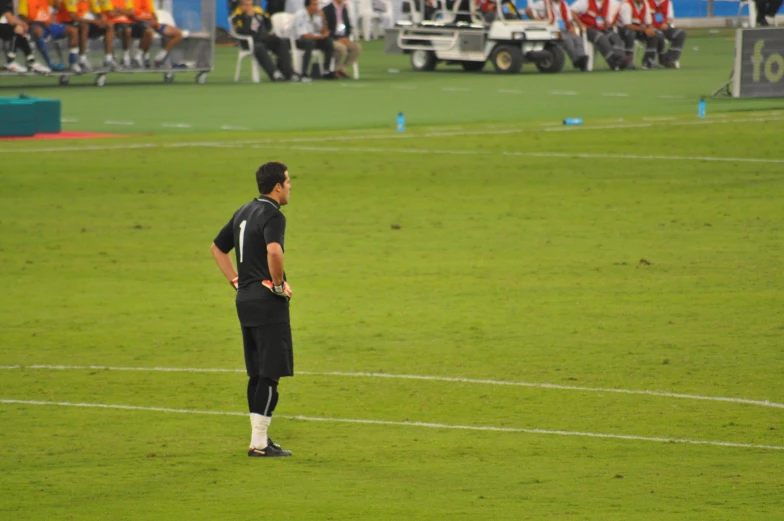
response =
{"points": [[596, 18], [311, 31], [635, 23], [557, 12], [663, 17]]}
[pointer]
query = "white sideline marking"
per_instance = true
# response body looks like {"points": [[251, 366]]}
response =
{"points": [[563, 93], [69, 120], [762, 403], [615, 94], [455, 89], [407, 424], [399, 135], [112, 122], [176, 125], [663, 118], [354, 85], [444, 128], [231, 127], [565, 155]]}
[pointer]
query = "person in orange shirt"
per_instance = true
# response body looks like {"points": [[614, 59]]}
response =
{"points": [[121, 18], [12, 32], [43, 25], [93, 24], [144, 13]]}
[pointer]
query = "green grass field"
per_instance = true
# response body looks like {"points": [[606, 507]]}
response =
{"points": [[495, 316]]}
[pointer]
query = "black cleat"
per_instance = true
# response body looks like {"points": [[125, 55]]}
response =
{"points": [[270, 451]]}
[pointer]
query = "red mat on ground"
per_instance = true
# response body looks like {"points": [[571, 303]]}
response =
{"points": [[61, 135]]}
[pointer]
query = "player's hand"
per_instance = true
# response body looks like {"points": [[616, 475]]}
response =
{"points": [[282, 290], [235, 283], [650, 32]]}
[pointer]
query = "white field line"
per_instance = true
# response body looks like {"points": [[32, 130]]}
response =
{"points": [[231, 127], [563, 93], [399, 135], [663, 118], [615, 94], [565, 155], [176, 125], [664, 394], [112, 122], [69, 120], [455, 89], [428, 425]]}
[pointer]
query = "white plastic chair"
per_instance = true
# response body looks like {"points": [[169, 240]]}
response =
{"points": [[244, 53], [283, 27], [371, 20]]}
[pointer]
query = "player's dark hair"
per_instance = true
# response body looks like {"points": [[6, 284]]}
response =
{"points": [[308, 2], [270, 174]]}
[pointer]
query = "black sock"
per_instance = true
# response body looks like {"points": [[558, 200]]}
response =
{"points": [[265, 398]]}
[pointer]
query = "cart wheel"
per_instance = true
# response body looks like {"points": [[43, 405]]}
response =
{"points": [[423, 60], [65, 79], [554, 62], [201, 78], [507, 59], [100, 80], [168, 77]]}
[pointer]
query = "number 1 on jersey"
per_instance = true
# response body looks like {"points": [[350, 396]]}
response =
{"points": [[242, 237]]}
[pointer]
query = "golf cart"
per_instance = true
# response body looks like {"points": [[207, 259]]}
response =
{"points": [[465, 35]]}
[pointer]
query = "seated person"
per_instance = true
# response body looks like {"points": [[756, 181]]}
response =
{"points": [[92, 25], [634, 22], [596, 19], [765, 9], [144, 13], [312, 33], [12, 32], [121, 18], [42, 26], [250, 20], [339, 27], [556, 12], [663, 15]]}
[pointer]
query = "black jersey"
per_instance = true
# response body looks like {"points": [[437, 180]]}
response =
{"points": [[254, 226]]}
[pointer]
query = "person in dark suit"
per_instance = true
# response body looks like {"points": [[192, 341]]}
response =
{"points": [[339, 27], [251, 20], [766, 9]]}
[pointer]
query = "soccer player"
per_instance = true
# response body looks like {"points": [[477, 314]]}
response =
{"points": [[93, 24], [120, 16], [36, 14], [635, 22], [144, 13], [13, 32], [596, 18], [256, 234]]}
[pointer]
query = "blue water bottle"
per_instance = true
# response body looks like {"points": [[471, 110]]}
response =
{"points": [[573, 121], [701, 108], [401, 122]]}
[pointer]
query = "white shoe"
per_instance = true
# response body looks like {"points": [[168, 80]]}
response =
{"points": [[126, 62], [137, 63], [15, 67], [110, 64], [84, 64], [75, 68], [39, 68], [160, 58]]}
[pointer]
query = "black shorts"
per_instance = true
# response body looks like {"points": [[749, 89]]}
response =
{"points": [[268, 350], [95, 32], [138, 29]]}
